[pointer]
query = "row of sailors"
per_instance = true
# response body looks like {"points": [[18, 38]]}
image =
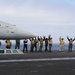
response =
{"points": [[35, 43], [39, 41]]}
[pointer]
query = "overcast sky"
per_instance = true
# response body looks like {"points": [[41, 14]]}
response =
{"points": [[41, 17]]}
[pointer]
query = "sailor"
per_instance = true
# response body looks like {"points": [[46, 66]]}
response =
{"points": [[17, 44], [25, 45], [50, 43], [8, 44], [62, 43], [41, 43], [35, 45], [46, 43], [70, 44], [32, 44]]}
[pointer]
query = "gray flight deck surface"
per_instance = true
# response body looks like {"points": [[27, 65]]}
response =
{"points": [[38, 63]]}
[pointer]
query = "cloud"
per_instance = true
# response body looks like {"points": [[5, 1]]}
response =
{"points": [[38, 12]]}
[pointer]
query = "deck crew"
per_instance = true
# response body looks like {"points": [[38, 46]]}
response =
{"points": [[50, 43], [32, 44], [62, 43], [25, 48], [46, 43], [70, 44], [41, 43], [35, 45], [17, 46], [8, 44]]}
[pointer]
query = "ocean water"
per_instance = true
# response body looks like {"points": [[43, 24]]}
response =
{"points": [[54, 47]]}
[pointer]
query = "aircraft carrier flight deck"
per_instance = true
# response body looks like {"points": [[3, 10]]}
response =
{"points": [[38, 63]]}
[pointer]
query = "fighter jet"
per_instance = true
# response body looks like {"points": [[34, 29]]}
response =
{"points": [[10, 31]]}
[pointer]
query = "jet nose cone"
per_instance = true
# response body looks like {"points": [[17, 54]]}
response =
{"points": [[22, 34]]}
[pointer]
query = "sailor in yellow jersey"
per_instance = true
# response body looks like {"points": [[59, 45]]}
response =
{"points": [[70, 44], [8, 44], [62, 43], [50, 43], [32, 44], [41, 43]]}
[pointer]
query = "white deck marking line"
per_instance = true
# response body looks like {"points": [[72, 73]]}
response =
{"points": [[39, 59]]}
